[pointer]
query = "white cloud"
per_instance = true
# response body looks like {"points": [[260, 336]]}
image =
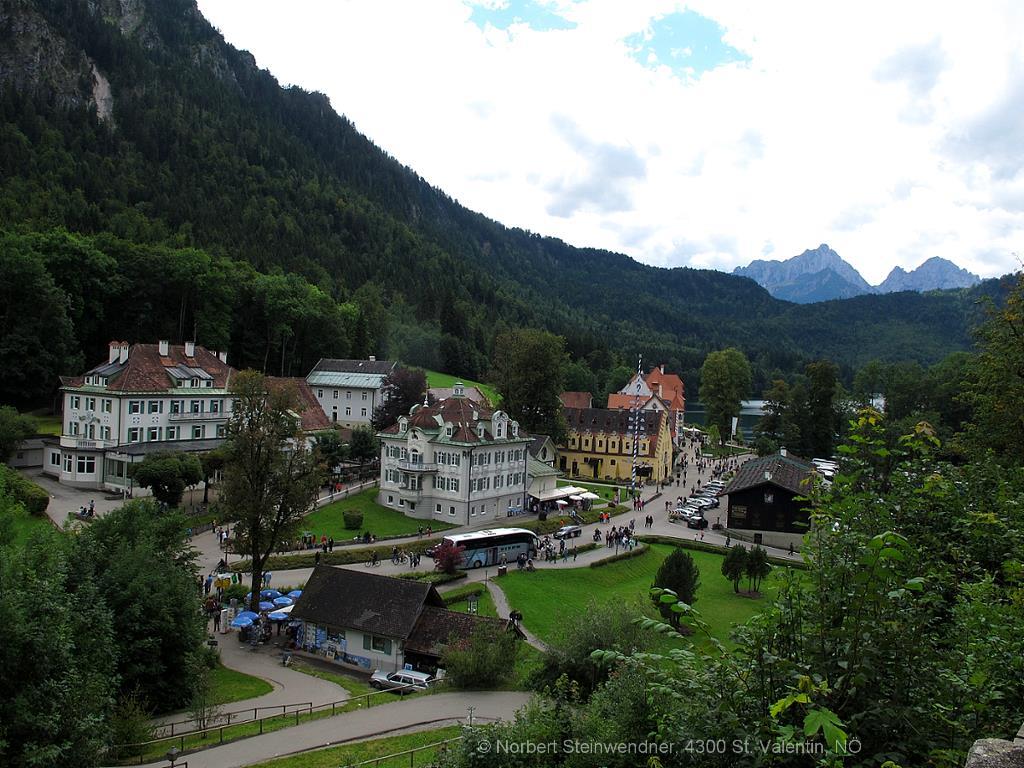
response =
{"points": [[888, 130]]}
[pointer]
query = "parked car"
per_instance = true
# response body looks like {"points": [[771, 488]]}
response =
{"points": [[697, 522], [702, 502], [568, 532], [401, 682]]}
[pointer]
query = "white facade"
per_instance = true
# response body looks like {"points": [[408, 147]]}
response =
{"points": [[106, 427], [442, 464], [349, 390]]}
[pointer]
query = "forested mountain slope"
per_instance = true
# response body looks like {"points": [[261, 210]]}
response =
{"points": [[259, 220]]}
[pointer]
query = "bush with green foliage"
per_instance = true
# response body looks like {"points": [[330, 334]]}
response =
{"points": [[14, 429], [35, 498], [483, 660], [601, 626], [167, 475], [756, 568], [353, 519]]}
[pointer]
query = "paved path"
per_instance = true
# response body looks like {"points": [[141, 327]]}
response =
{"points": [[290, 686], [503, 609], [423, 713]]}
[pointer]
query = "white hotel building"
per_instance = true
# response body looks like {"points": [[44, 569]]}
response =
{"points": [[456, 461], [145, 398], [349, 390]]}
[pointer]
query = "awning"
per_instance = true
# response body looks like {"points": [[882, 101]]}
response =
{"points": [[559, 493]]}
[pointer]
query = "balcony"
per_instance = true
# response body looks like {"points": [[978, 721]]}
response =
{"points": [[416, 466], [409, 494], [200, 416], [85, 444]]}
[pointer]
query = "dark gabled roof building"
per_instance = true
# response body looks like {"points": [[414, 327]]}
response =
{"points": [[763, 499], [371, 622]]}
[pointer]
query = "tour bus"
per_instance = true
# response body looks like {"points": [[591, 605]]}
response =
{"points": [[485, 548]]}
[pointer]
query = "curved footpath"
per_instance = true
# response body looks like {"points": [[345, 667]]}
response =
{"points": [[290, 687], [418, 714]]}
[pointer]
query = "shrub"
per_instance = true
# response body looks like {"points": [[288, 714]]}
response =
{"points": [[353, 519], [483, 660], [462, 593], [625, 555], [735, 565], [448, 557], [34, 498], [129, 724]]}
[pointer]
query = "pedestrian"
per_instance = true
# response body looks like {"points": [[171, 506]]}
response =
{"points": [[330, 544], [316, 558], [790, 548], [216, 620], [574, 553], [208, 585]]}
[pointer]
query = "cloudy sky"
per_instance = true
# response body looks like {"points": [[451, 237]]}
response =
{"points": [[702, 134]]}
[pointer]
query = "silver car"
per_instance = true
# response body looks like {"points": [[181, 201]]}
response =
{"points": [[401, 682]]}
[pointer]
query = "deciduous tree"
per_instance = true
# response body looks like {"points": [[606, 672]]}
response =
{"points": [[725, 380], [167, 475], [14, 429], [401, 390], [528, 369], [271, 478], [734, 565]]}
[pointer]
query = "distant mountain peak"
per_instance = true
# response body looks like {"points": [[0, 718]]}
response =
{"points": [[821, 274], [935, 273]]}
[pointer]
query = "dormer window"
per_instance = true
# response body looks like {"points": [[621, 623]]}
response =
{"points": [[499, 430], [515, 429], [449, 430], [403, 425]]}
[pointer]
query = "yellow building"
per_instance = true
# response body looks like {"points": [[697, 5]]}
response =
{"points": [[600, 445]]}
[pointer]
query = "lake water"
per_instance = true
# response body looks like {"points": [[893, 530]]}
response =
{"points": [[750, 412]]}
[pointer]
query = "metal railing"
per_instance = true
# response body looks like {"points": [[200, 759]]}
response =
{"points": [[417, 466], [410, 752], [230, 718], [198, 416], [144, 748]]}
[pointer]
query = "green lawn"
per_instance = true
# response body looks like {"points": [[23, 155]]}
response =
{"points": [[377, 519], [438, 379], [24, 524], [547, 597], [333, 757], [49, 424], [485, 606], [229, 685]]}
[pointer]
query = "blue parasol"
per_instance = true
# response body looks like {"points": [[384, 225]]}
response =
{"points": [[241, 621], [266, 606], [295, 593], [269, 594], [280, 602], [248, 615]]}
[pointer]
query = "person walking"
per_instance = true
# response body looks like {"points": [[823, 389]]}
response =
{"points": [[330, 544], [216, 619]]}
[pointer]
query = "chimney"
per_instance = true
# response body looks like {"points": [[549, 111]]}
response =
{"points": [[223, 357], [663, 368], [165, 347], [767, 474], [122, 352], [190, 349], [373, 358], [115, 351], [782, 453], [458, 389]]}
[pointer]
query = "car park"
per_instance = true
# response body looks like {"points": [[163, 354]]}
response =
{"points": [[401, 682], [568, 532]]}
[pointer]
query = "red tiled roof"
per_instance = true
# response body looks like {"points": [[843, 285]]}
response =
{"points": [[576, 399], [312, 414], [146, 370], [673, 391], [618, 400]]}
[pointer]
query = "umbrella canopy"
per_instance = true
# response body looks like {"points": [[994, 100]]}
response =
{"points": [[282, 614], [269, 594], [589, 496], [241, 621], [575, 498], [247, 615], [562, 503], [283, 601], [266, 605], [295, 593]]}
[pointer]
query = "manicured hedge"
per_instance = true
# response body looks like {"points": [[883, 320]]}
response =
{"points": [[635, 552], [353, 519], [433, 577], [35, 499], [718, 549], [346, 556], [459, 594]]}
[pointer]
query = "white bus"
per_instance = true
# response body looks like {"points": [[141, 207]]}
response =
{"points": [[485, 548]]}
